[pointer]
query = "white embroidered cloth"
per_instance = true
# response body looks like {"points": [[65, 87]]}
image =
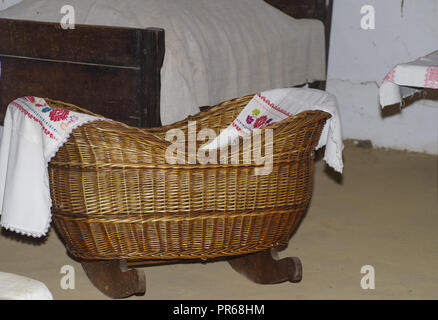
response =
{"points": [[271, 106], [422, 73], [33, 133]]}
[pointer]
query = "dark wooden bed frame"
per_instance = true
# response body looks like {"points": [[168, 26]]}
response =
{"points": [[111, 71], [115, 72]]}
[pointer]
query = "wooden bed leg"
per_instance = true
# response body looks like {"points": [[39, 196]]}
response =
{"points": [[114, 278], [264, 268]]}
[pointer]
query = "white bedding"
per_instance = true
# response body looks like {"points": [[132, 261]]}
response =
{"points": [[215, 49]]}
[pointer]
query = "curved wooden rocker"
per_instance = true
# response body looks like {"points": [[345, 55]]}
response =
{"points": [[115, 279], [265, 268]]}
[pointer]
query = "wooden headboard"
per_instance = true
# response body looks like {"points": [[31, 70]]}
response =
{"points": [[112, 71]]}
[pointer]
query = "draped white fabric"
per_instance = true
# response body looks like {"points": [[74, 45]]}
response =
{"points": [[272, 106], [32, 135]]}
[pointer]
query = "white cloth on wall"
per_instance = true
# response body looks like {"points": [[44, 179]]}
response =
{"points": [[404, 78], [215, 50], [33, 133], [268, 107]]}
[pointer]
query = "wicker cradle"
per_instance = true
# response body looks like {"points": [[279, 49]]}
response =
{"points": [[115, 196]]}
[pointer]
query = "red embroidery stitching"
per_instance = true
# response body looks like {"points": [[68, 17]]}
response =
{"points": [[390, 76], [47, 132], [272, 105], [236, 126], [58, 114], [431, 79]]}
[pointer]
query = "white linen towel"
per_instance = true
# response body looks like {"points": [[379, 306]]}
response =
{"points": [[275, 105], [398, 83], [33, 132]]}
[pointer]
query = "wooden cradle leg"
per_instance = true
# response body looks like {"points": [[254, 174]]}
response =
{"points": [[114, 278], [263, 268]]}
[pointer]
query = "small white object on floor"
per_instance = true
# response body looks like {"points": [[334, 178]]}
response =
{"points": [[4, 4], [15, 287], [404, 78]]}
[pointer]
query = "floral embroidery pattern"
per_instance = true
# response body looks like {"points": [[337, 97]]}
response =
{"points": [[431, 79], [54, 122], [47, 132], [58, 114], [260, 121], [259, 117], [249, 119], [263, 120]]}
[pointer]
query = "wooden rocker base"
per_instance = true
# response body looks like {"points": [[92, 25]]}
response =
{"points": [[265, 268], [115, 279]]}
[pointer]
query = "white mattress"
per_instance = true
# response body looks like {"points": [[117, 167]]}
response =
{"points": [[215, 50]]}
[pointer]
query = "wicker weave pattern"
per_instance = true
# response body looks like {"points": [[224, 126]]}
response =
{"points": [[115, 197]]}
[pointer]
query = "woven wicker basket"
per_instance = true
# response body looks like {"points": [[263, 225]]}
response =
{"points": [[115, 196]]}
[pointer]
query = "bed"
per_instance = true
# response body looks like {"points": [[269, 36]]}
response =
{"points": [[124, 64]]}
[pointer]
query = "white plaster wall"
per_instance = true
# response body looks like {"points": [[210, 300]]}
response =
{"points": [[4, 4], [359, 59]]}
